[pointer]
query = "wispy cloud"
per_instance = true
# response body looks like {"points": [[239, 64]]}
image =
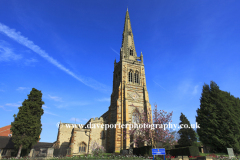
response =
{"points": [[78, 103], [62, 106], [55, 98], [22, 88], [104, 100], [114, 51], [45, 106], [11, 33], [30, 62], [7, 54], [75, 119], [161, 86], [13, 104], [195, 90], [72, 104], [187, 87], [48, 112], [85, 119], [4, 108]]}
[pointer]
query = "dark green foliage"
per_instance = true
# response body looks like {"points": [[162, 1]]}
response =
{"points": [[24, 152], [219, 121], [186, 151], [142, 151], [27, 126], [169, 143], [194, 151], [187, 135], [180, 146], [197, 136]]}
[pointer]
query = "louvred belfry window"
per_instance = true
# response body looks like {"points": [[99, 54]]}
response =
{"points": [[136, 77], [130, 76], [131, 52]]}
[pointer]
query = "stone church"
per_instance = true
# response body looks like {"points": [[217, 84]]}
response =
{"points": [[129, 91]]}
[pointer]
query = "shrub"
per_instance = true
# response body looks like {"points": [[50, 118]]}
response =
{"points": [[97, 149]]}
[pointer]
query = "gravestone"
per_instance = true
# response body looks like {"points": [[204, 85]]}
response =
{"points": [[230, 153], [205, 158], [130, 151], [43, 152], [50, 152], [124, 152], [179, 157], [209, 158], [185, 158], [31, 153]]}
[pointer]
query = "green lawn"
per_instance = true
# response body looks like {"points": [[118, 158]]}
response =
{"points": [[218, 154]]}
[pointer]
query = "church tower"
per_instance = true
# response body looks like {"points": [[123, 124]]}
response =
{"points": [[129, 91]]}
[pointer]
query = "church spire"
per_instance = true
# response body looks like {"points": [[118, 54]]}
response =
{"points": [[128, 50]]}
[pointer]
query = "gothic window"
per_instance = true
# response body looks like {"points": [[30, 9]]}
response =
{"points": [[136, 77], [130, 76], [135, 118], [102, 135], [82, 147], [131, 52]]}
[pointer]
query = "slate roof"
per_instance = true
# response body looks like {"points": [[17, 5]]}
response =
{"points": [[6, 142], [42, 145], [105, 115]]}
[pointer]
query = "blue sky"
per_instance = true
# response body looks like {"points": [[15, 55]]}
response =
{"points": [[67, 50]]}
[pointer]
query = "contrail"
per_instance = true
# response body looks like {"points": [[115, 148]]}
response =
{"points": [[11, 33], [114, 51], [161, 86]]}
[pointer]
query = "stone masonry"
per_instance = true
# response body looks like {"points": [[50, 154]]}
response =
{"points": [[129, 91]]}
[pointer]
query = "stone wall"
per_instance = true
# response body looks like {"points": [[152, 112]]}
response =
{"points": [[87, 136], [79, 136], [64, 134]]}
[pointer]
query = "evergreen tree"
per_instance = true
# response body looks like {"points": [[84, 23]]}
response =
{"points": [[27, 127], [218, 119], [187, 135]]}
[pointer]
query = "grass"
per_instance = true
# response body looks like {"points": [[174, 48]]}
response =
{"points": [[103, 156], [219, 156]]}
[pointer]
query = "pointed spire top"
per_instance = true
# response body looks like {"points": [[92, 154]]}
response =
{"points": [[128, 47], [127, 8], [127, 25]]}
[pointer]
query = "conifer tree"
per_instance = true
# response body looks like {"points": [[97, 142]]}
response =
{"points": [[218, 118], [187, 135], [27, 126], [206, 116]]}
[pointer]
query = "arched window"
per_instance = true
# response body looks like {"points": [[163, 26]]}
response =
{"points": [[131, 52], [102, 135], [135, 118], [130, 76], [136, 77], [82, 147]]}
